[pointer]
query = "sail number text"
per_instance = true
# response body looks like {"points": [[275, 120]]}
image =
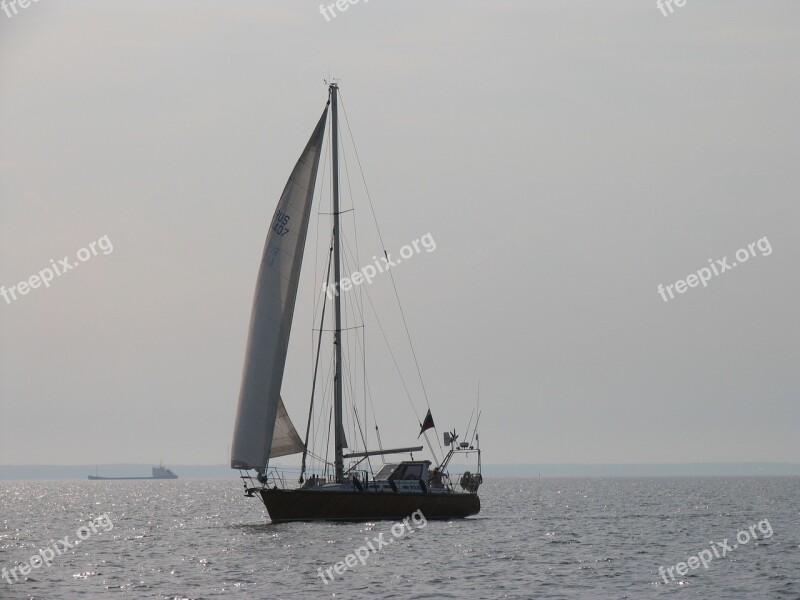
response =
{"points": [[279, 224]]}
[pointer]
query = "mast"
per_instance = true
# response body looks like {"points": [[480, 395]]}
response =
{"points": [[337, 340]]}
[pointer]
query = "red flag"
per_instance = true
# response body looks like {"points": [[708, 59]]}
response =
{"points": [[427, 423]]}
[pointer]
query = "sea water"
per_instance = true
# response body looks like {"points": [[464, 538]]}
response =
{"points": [[534, 538]]}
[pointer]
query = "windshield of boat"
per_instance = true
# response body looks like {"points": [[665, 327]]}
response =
{"points": [[384, 473]]}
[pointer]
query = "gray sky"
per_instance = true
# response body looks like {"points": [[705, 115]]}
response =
{"points": [[566, 156]]}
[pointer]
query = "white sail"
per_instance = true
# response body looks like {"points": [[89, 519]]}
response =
{"points": [[271, 318], [285, 439]]}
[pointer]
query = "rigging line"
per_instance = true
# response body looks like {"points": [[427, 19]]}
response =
{"points": [[357, 311], [353, 423], [360, 345], [341, 212], [360, 306], [363, 345], [346, 346], [349, 268], [357, 257], [317, 297], [355, 220], [321, 189], [427, 441], [358, 160], [380, 444], [391, 275], [368, 391], [355, 232], [328, 443], [342, 329], [316, 367], [327, 393], [354, 309], [352, 270], [319, 428], [391, 353], [359, 302], [354, 426], [358, 422], [400, 374], [394, 358], [347, 176], [319, 458], [283, 469], [364, 385], [314, 295], [369, 462], [345, 374], [326, 381], [321, 431], [413, 352]]}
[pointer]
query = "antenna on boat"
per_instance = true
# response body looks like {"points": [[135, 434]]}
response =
{"points": [[469, 423], [475, 430]]}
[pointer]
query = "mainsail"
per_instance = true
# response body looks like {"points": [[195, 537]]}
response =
{"points": [[263, 428]]}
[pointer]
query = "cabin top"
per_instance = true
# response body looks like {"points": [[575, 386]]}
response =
{"points": [[408, 469]]}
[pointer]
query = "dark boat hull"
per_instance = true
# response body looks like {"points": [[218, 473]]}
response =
{"points": [[309, 505]]}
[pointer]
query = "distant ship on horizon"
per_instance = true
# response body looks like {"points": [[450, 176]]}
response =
{"points": [[159, 472]]}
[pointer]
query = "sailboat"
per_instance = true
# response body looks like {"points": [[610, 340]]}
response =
{"points": [[348, 488]]}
